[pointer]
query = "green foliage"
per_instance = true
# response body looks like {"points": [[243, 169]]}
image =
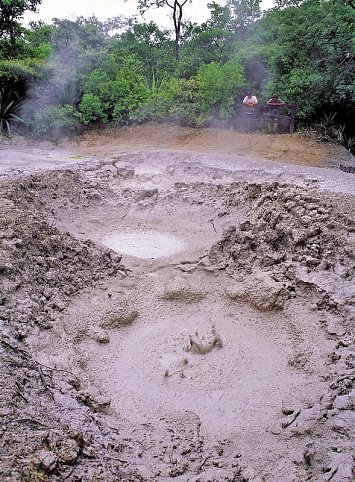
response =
{"points": [[20, 71], [92, 109], [118, 85], [328, 129], [310, 54], [148, 44], [209, 42], [184, 104], [303, 50], [43, 52], [176, 100], [177, 7], [244, 13], [219, 85], [10, 109], [55, 117], [66, 94], [11, 11]]}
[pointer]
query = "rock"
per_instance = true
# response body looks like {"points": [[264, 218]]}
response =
{"points": [[89, 452], [94, 399], [262, 292], [101, 336], [344, 423], [287, 410], [65, 401], [334, 327], [68, 451], [121, 316], [344, 402], [180, 291], [124, 172], [47, 459], [151, 194]]}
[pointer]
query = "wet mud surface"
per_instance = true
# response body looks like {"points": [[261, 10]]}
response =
{"points": [[179, 313]]}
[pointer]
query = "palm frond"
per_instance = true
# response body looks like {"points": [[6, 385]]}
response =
{"points": [[10, 107]]}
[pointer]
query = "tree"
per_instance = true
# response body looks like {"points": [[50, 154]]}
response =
{"points": [[209, 42], [218, 87], [177, 8], [244, 13], [309, 52], [10, 12], [150, 44]]}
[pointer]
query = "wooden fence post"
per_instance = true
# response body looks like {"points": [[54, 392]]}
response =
{"points": [[293, 117]]}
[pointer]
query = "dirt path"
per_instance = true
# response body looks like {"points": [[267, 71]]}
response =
{"points": [[218, 349]]}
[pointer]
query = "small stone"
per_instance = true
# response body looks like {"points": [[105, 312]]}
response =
{"points": [[344, 402], [47, 459], [90, 452], [287, 410], [102, 337], [69, 451]]}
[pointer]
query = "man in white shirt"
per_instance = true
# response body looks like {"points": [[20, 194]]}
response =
{"points": [[249, 102]]}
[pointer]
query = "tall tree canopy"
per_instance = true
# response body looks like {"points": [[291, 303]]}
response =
{"points": [[11, 11], [177, 12]]}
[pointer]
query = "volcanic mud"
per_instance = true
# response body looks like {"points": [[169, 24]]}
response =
{"points": [[170, 315]]}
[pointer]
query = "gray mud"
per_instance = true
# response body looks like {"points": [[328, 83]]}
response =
{"points": [[224, 354]]}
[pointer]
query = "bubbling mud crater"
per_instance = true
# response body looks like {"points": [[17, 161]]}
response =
{"points": [[225, 362], [217, 349]]}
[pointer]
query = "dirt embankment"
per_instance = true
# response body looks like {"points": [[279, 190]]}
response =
{"points": [[296, 149], [225, 353]]}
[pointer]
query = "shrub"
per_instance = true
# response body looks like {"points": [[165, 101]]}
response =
{"points": [[185, 106], [92, 109], [218, 86], [55, 119], [122, 87]]}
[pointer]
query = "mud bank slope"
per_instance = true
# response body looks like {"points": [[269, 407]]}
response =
{"points": [[215, 343]]}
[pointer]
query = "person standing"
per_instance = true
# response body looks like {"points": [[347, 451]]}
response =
{"points": [[274, 104], [249, 104]]}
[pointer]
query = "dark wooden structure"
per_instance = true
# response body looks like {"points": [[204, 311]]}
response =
{"points": [[265, 119]]}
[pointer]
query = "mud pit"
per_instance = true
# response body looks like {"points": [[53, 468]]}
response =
{"points": [[220, 348]]}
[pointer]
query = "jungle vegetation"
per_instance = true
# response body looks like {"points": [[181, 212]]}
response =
{"points": [[69, 74]]}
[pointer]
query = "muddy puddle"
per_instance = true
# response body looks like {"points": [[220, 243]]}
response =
{"points": [[147, 244]]}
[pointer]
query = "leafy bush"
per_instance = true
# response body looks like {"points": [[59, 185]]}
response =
{"points": [[218, 86], [92, 109], [18, 73], [120, 86], [184, 106], [10, 108], [60, 119], [329, 130], [176, 100]]}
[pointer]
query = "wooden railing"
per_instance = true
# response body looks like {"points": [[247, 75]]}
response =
{"points": [[263, 119]]}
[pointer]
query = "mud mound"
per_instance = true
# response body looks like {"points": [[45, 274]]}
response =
{"points": [[303, 243], [41, 269]]}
